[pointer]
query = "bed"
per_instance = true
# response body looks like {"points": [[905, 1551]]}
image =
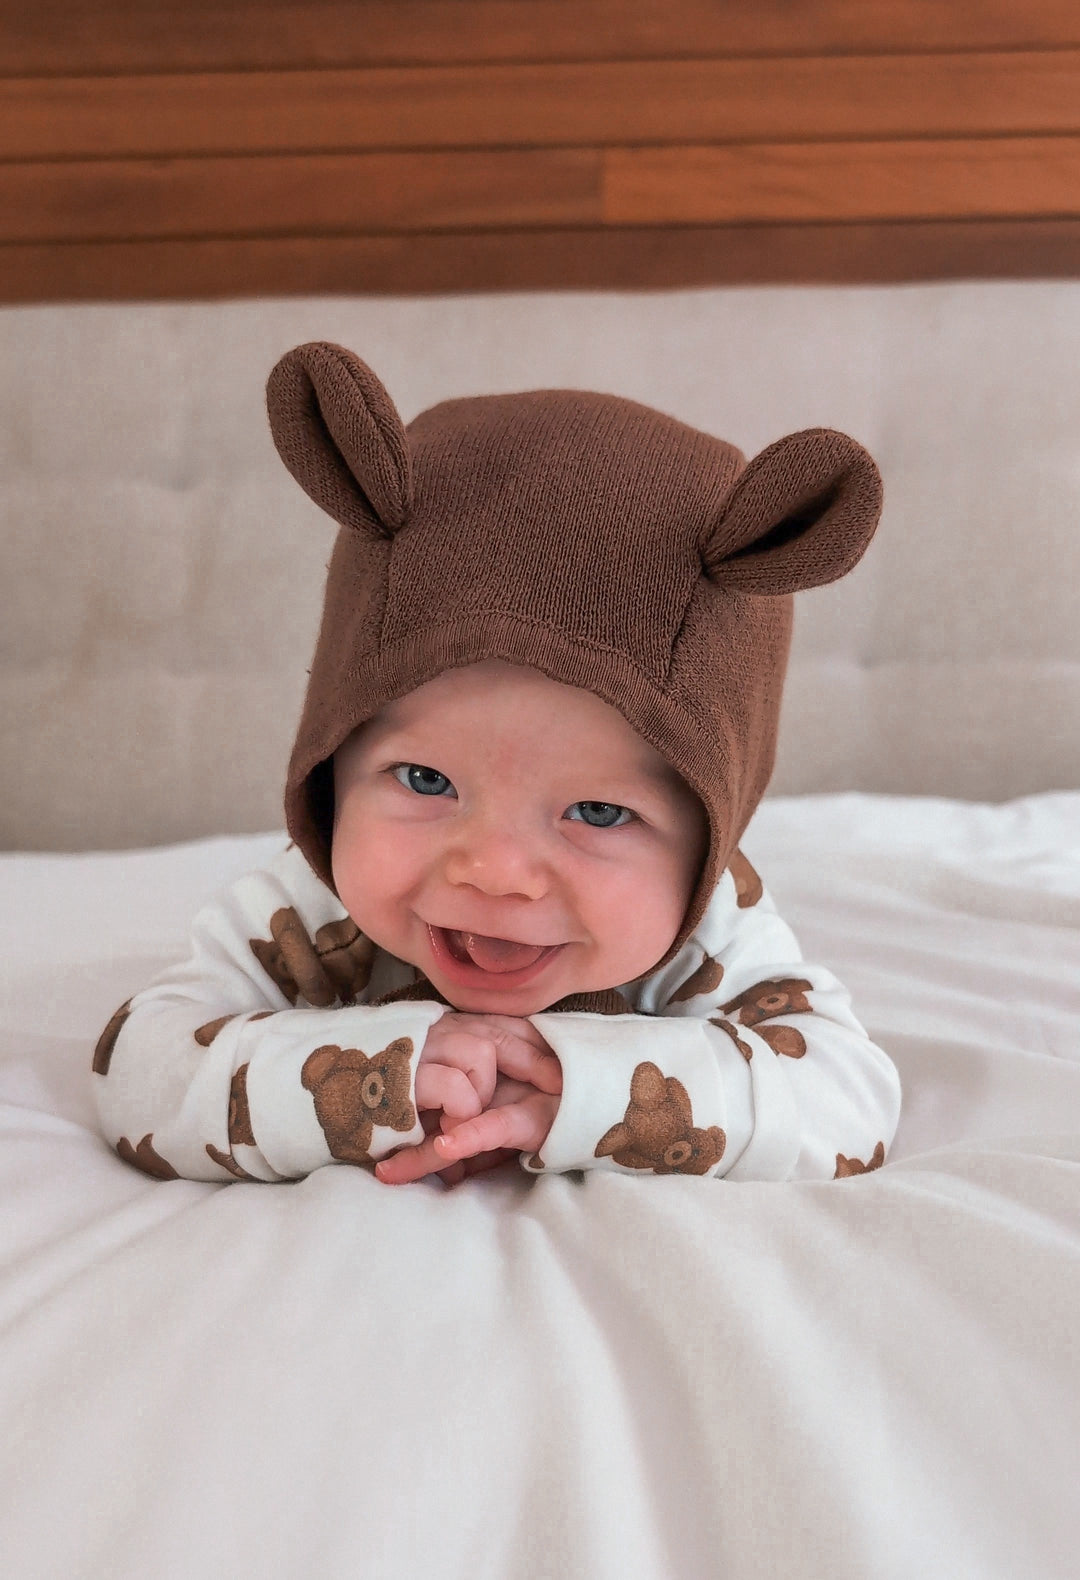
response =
{"points": [[576, 1375], [593, 1376]]}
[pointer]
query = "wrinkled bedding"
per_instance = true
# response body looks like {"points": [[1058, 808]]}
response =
{"points": [[619, 1378]]}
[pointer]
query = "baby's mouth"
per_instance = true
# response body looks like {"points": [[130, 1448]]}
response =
{"points": [[492, 954]]}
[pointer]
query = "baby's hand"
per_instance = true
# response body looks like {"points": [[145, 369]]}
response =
{"points": [[517, 1120], [463, 1055], [478, 1068]]}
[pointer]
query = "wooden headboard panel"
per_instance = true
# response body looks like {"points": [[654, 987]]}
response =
{"points": [[187, 148]]}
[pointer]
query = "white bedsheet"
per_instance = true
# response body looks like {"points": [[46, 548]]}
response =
{"points": [[607, 1377]]}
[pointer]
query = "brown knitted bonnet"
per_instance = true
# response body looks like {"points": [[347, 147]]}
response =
{"points": [[587, 536]]}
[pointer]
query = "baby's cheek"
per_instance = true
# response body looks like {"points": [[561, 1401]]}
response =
{"points": [[636, 924], [359, 873], [376, 884], [345, 864]]}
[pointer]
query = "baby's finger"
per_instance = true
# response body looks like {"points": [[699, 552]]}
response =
{"points": [[467, 1051], [411, 1163], [439, 1086], [506, 1091], [515, 1125], [526, 1062]]}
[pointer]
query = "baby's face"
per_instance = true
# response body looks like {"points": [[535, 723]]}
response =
{"points": [[514, 838]]}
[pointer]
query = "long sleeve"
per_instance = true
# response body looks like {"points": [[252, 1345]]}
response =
{"points": [[739, 1059], [257, 1057]]}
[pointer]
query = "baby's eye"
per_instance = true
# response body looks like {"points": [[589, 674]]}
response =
{"points": [[600, 814], [425, 781]]}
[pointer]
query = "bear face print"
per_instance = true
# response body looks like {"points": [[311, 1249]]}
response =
{"points": [[657, 1131], [354, 1092], [776, 996]]}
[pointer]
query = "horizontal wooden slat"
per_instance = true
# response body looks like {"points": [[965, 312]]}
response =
{"points": [[1000, 178], [183, 147], [324, 193], [550, 105], [609, 259], [73, 36], [500, 189]]}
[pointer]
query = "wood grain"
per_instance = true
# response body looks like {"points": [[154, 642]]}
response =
{"points": [[659, 102], [248, 146], [60, 37], [998, 178], [325, 194], [1002, 178], [588, 259]]}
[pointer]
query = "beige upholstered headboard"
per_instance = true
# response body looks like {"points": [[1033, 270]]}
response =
{"points": [[161, 572]]}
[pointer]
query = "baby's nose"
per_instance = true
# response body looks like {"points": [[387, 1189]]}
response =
{"points": [[498, 860]]}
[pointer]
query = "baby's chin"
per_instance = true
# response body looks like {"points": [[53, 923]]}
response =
{"points": [[534, 999], [518, 1007], [519, 1002]]}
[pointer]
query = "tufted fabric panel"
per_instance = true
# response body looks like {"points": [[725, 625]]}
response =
{"points": [[160, 572]]}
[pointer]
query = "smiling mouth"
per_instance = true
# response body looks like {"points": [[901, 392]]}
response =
{"points": [[479, 953], [492, 954]]}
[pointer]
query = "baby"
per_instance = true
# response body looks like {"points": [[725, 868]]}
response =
{"points": [[514, 921]]}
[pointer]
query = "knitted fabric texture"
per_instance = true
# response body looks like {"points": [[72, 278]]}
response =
{"points": [[584, 535]]}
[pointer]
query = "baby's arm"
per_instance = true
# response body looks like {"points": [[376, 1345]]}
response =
{"points": [[750, 1065], [252, 1059]]}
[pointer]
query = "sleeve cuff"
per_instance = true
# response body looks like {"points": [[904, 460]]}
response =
{"points": [[642, 1095], [344, 1092]]}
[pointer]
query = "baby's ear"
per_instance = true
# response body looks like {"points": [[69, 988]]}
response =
{"points": [[339, 433], [800, 515]]}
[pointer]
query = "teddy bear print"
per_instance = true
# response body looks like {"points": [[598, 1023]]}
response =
{"points": [[335, 965], [785, 1040], [239, 1121], [846, 1167], [227, 1161], [103, 1052], [725, 1025], [709, 975], [353, 1093], [748, 886], [657, 1131], [240, 1131], [204, 1035], [778, 996], [144, 1157]]}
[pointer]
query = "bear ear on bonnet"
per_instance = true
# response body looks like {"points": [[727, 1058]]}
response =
{"points": [[341, 437], [801, 514]]}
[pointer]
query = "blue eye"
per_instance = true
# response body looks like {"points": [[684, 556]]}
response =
{"points": [[425, 781], [601, 814]]}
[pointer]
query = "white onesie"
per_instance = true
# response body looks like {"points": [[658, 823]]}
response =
{"points": [[271, 1051]]}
